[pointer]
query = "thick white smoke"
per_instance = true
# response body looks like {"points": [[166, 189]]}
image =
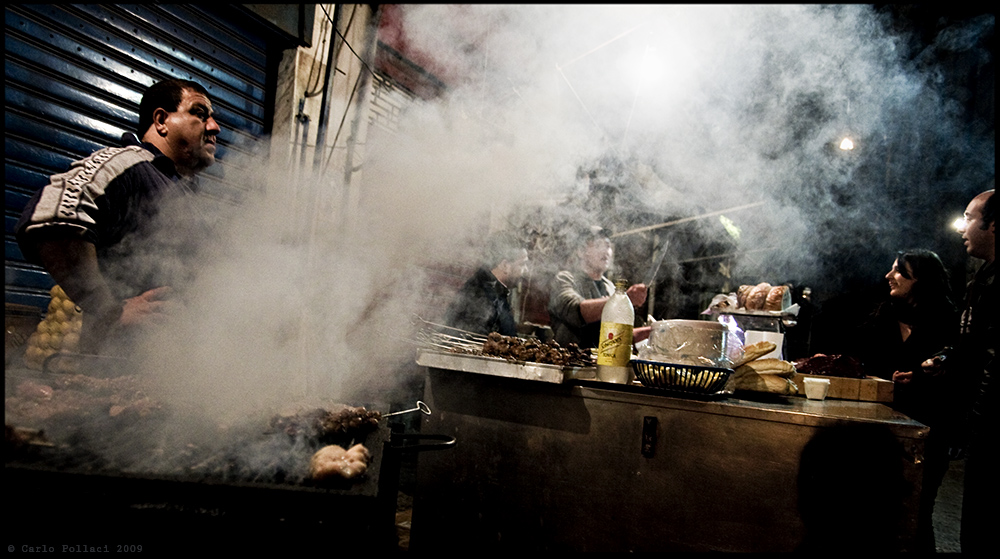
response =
{"points": [[712, 107]]}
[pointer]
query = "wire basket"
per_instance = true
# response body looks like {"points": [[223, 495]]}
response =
{"points": [[684, 379]]}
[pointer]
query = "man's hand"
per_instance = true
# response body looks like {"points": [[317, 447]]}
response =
{"points": [[152, 307], [933, 366], [637, 294], [641, 333], [902, 377]]}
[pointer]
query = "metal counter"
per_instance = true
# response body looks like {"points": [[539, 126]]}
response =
{"points": [[588, 466]]}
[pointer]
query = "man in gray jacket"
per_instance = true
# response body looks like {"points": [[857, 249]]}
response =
{"points": [[578, 296]]}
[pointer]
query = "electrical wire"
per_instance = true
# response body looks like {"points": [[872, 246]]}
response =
{"points": [[311, 90], [344, 39]]}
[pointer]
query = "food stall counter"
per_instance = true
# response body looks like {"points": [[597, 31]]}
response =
{"points": [[589, 466]]}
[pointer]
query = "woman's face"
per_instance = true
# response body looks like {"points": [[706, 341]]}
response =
{"points": [[900, 285]]}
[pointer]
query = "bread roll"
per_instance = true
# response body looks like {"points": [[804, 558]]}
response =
{"points": [[768, 366], [758, 296], [772, 384], [755, 351], [778, 298], [741, 296]]}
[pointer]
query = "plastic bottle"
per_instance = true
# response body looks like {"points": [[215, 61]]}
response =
{"points": [[614, 349]]}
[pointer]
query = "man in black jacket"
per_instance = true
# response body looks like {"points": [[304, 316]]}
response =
{"points": [[483, 303], [96, 228], [977, 345]]}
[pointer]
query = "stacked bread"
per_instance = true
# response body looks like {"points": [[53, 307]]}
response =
{"points": [[763, 297], [755, 374]]}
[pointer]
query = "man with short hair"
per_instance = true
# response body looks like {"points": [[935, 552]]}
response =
{"points": [[105, 211], [578, 296], [483, 304]]}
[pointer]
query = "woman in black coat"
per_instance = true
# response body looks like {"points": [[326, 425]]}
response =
{"points": [[918, 321]]}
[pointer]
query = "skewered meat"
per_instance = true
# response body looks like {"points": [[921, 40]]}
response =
{"points": [[324, 425], [520, 349], [35, 402], [333, 461]]}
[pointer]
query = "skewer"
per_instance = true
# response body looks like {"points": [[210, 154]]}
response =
{"points": [[421, 407], [686, 219]]}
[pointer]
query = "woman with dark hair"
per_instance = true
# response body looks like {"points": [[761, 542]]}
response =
{"points": [[915, 323]]}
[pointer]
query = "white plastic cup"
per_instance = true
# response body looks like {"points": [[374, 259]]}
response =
{"points": [[817, 388]]}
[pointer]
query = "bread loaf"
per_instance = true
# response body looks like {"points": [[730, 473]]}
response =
{"points": [[755, 351], [741, 296], [778, 298], [772, 384], [769, 366], [758, 296]]}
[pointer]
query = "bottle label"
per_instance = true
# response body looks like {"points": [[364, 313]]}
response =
{"points": [[615, 347]]}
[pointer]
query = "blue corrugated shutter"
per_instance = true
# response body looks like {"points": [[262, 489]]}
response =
{"points": [[74, 75]]}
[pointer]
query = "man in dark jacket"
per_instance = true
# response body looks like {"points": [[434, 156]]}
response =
{"points": [[483, 305], [104, 211], [977, 355]]}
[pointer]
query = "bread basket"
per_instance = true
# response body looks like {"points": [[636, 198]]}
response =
{"points": [[686, 380]]}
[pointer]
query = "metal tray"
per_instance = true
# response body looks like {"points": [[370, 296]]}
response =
{"points": [[496, 366]]}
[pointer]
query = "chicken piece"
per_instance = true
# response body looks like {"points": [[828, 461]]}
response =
{"points": [[333, 461]]}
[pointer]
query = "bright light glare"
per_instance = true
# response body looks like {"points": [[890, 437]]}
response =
{"points": [[846, 144], [959, 223], [644, 69]]}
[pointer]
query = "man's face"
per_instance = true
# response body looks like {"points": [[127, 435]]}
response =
{"points": [[519, 267], [191, 132], [597, 255], [979, 242]]}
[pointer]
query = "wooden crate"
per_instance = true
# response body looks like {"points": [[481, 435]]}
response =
{"points": [[870, 389]]}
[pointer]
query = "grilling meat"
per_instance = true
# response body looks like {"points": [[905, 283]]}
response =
{"points": [[331, 462], [520, 349], [328, 426], [75, 397]]}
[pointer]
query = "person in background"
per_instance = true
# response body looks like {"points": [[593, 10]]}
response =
{"points": [[483, 305], [975, 356], [578, 296], [914, 324], [95, 228]]}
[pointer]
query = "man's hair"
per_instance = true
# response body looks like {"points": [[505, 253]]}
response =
{"points": [[988, 215], [165, 95], [502, 246], [592, 233]]}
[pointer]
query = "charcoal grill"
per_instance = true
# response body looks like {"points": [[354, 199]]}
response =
{"points": [[66, 494]]}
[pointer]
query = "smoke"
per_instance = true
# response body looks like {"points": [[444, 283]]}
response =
{"points": [[307, 289], [728, 105]]}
